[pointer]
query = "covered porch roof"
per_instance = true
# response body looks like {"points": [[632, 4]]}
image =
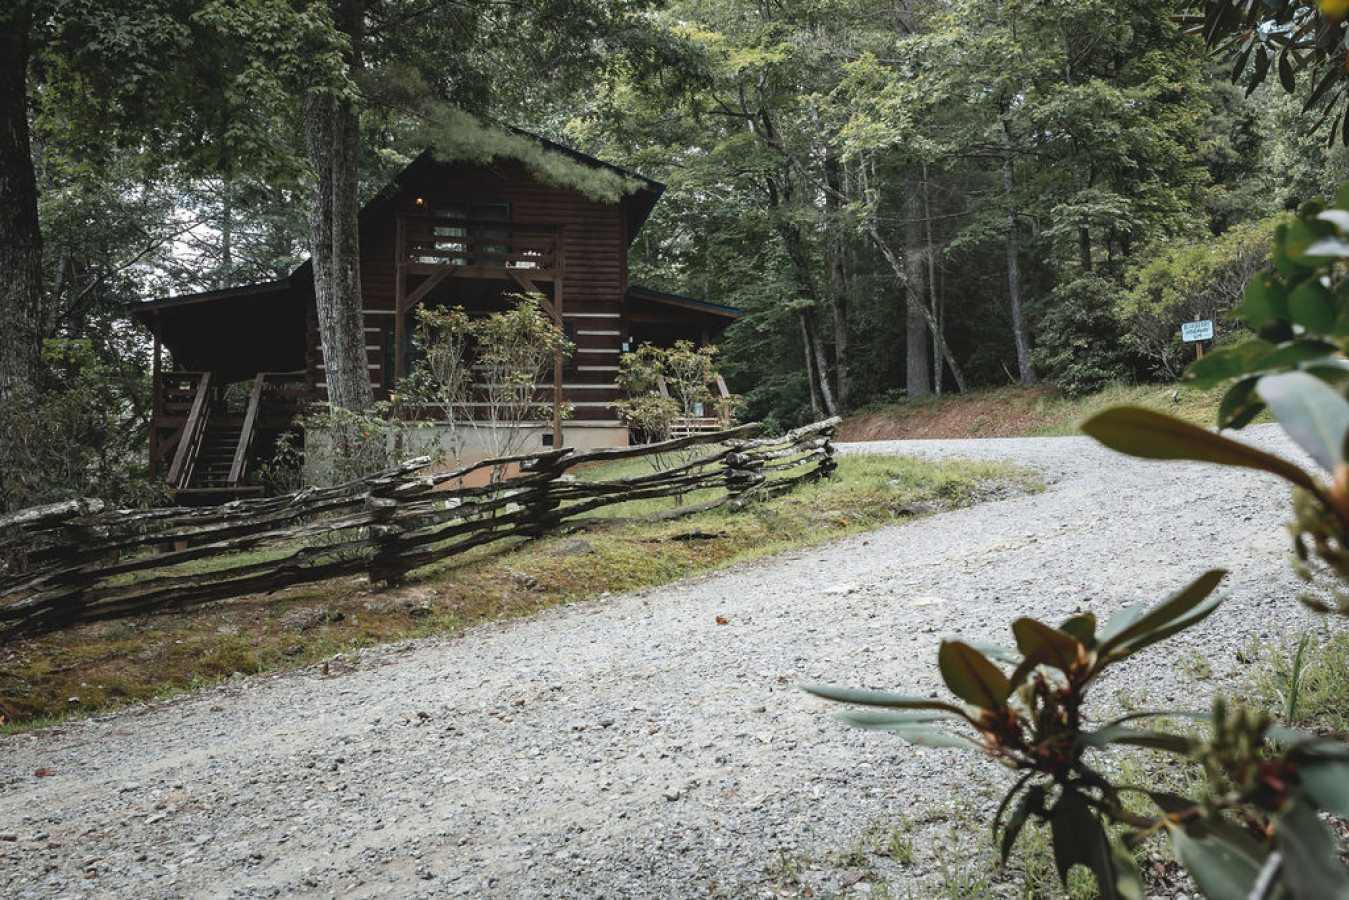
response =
{"points": [[235, 332], [661, 303]]}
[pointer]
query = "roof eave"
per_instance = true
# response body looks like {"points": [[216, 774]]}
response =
{"points": [[147, 307], [645, 293]]}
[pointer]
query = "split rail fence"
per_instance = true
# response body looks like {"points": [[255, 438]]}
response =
{"points": [[78, 561]]}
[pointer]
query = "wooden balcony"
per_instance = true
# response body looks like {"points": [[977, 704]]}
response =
{"points": [[476, 248]]}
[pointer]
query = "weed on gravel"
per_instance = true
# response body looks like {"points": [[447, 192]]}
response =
{"points": [[1303, 679], [100, 666]]}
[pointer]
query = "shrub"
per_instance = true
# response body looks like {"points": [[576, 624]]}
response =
{"points": [[1078, 341], [81, 436], [667, 387], [1187, 282]]}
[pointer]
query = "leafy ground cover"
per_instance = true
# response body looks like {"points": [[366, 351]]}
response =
{"points": [[103, 665], [1013, 412]]}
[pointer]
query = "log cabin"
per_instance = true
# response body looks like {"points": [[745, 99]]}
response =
{"points": [[241, 362]]}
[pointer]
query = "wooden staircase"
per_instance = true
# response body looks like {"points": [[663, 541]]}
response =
{"points": [[212, 446], [211, 471]]}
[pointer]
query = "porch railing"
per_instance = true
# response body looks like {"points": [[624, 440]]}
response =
{"points": [[189, 441], [442, 240]]}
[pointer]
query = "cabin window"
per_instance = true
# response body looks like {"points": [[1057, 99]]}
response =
{"points": [[493, 254], [451, 231]]}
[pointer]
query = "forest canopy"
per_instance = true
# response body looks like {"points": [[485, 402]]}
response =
{"points": [[902, 197]]}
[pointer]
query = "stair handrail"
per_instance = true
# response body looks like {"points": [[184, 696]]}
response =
{"points": [[249, 430], [183, 460]]}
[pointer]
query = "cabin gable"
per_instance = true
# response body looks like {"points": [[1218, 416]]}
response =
{"points": [[461, 208]]}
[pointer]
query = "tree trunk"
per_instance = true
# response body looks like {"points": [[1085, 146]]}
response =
{"points": [[20, 234], [1026, 370], [902, 275], [917, 365], [934, 296], [810, 327], [332, 142], [836, 250], [812, 382]]}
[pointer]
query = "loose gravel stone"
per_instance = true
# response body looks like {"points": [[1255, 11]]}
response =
{"points": [[635, 746]]}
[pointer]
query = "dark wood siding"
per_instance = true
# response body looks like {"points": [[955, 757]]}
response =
{"points": [[594, 239]]}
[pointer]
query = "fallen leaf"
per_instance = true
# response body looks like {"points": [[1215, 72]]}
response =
{"points": [[722, 620], [44, 773]]}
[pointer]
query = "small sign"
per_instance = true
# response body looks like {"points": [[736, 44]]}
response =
{"points": [[1197, 331]]}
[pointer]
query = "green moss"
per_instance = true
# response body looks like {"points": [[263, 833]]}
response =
{"points": [[454, 136]]}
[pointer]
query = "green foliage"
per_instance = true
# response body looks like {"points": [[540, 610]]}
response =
{"points": [[341, 445], [1268, 779], [1305, 678], [214, 82], [483, 374], [80, 436], [1182, 282], [1254, 829], [515, 350], [454, 135], [1078, 340], [1293, 365], [487, 374], [667, 387], [1289, 40], [441, 380]]}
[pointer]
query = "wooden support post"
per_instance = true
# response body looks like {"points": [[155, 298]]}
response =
{"points": [[400, 280], [157, 397], [558, 267], [385, 565]]}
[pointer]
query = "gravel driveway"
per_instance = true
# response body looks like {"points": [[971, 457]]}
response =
{"points": [[635, 746]]}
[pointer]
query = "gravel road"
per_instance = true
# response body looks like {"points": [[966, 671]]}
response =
{"points": [[635, 746]]}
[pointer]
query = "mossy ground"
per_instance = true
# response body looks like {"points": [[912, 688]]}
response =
{"points": [[103, 665]]}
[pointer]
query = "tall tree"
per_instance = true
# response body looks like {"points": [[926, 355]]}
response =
{"points": [[332, 139], [20, 234], [178, 82]]}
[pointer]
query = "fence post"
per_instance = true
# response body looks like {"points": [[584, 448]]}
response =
{"points": [[744, 475], [385, 564]]}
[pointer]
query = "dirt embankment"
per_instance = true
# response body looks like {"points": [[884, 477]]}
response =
{"points": [[1004, 412]]}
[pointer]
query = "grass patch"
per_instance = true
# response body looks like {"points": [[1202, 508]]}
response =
{"points": [[104, 665], [1307, 689]]}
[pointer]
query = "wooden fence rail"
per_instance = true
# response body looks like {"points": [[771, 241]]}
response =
{"points": [[78, 561]]}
